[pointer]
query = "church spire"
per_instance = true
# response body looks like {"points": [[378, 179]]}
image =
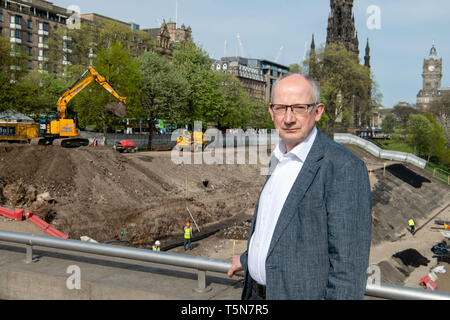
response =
{"points": [[312, 59], [367, 56], [341, 25], [433, 52]]}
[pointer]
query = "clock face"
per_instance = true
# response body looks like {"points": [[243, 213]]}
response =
{"points": [[431, 68]]}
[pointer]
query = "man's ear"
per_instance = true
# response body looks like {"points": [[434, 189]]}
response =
{"points": [[319, 111], [271, 112]]}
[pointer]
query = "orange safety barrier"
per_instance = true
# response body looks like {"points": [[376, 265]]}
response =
{"points": [[19, 215], [16, 214], [44, 225]]}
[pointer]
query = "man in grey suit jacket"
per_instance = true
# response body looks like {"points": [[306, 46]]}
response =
{"points": [[310, 236]]}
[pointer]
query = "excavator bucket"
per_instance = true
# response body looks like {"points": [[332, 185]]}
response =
{"points": [[117, 108]]}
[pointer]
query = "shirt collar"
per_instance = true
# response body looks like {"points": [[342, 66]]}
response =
{"points": [[300, 151]]}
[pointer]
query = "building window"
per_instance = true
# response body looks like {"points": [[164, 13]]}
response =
{"points": [[1, 17], [30, 51], [29, 37], [30, 24], [16, 34], [18, 20]]}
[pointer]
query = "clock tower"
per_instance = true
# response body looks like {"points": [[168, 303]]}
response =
{"points": [[432, 76]]}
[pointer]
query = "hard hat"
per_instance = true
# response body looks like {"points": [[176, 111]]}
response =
{"points": [[157, 243]]}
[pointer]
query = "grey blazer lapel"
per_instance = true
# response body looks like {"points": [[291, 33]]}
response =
{"points": [[301, 184]]}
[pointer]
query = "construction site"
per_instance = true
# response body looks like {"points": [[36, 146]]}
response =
{"points": [[141, 197]]}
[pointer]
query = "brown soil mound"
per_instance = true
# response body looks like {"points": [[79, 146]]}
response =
{"points": [[99, 192]]}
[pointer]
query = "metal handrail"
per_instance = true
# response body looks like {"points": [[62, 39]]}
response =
{"points": [[201, 264]]}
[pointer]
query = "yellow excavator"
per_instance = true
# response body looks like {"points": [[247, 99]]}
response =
{"points": [[63, 131]]}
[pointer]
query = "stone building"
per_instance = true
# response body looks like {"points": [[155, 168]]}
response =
{"points": [[257, 76], [341, 30], [27, 24], [431, 80], [168, 35], [341, 25]]}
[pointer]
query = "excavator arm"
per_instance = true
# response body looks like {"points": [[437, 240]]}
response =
{"points": [[80, 85]]}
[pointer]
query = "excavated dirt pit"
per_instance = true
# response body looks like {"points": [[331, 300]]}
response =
{"points": [[98, 192]]}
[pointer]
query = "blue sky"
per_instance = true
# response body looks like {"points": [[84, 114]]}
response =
{"points": [[407, 31]]}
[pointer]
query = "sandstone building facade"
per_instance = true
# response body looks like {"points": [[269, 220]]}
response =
{"points": [[27, 25]]}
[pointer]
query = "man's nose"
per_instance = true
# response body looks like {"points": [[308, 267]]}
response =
{"points": [[289, 116]]}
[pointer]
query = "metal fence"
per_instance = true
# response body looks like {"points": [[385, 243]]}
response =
{"points": [[233, 138], [200, 264], [378, 152], [438, 173]]}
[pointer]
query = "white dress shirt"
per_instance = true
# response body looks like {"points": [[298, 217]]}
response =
{"points": [[272, 201]]}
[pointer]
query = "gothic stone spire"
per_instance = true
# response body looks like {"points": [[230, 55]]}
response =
{"points": [[341, 25]]}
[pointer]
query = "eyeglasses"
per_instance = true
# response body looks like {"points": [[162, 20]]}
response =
{"points": [[297, 109]]}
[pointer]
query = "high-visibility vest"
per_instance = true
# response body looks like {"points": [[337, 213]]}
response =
{"points": [[155, 248], [187, 232], [410, 222]]}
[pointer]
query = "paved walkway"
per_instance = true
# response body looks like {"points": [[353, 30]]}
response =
{"points": [[101, 278]]}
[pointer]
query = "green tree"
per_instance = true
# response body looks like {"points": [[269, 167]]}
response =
{"points": [[5, 55], [389, 123], [402, 113], [163, 91], [437, 138], [235, 108], [345, 84], [38, 92], [419, 133], [121, 71], [260, 116], [441, 111], [203, 95], [295, 67]]}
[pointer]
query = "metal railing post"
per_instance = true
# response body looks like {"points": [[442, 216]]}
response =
{"points": [[201, 283], [29, 254]]}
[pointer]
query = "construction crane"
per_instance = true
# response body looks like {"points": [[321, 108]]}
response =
{"points": [[279, 54], [306, 49], [241, 47]]}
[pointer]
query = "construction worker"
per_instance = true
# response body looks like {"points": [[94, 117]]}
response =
{"points": [[187, 236], [95, 142], [411, 224], [156, 246]]}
